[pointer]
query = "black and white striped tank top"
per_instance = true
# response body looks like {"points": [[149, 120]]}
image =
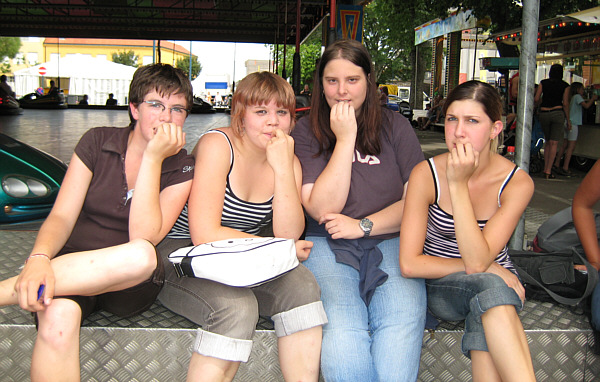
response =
{"points": [[237, 213], [441, 236]]}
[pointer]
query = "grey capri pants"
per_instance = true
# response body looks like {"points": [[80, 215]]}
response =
{"points": [[228, 315]]}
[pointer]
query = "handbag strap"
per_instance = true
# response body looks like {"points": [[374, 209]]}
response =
{"points": [[592, 279]]}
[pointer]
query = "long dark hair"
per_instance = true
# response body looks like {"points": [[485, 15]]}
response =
{"points": [[369, 117]]}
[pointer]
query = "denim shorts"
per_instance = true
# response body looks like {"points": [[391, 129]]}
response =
{"points": [[460, 296]]}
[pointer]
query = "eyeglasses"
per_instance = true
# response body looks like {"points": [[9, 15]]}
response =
{"points": [[158, 108]]}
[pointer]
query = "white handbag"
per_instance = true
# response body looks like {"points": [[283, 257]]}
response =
{"points": [[237, 262]]}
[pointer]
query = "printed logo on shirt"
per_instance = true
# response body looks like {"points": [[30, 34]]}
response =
{"points": [[368, 159], [187, 169]]}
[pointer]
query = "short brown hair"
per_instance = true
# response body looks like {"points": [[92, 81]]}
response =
{"points": [[260, 88], [162, 78]]}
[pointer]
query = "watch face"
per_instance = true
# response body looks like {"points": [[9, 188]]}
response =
{"points": [[366, 224]]}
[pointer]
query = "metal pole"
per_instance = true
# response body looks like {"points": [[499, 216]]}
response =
{"points": [[190, 62], [296, 69], [58, 62], [531, 15], [234, 54], [283, 72], [475, 53], [331, 32]]}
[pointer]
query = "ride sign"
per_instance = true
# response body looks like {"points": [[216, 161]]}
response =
{"points": [[42, 70]]}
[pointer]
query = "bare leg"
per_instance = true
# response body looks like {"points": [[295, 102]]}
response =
{"points": [[560, 153], [56, 351], [483, 367], [508, 347], [211, 369], [568, 154], [299, 354], [8, 296], [549, 155], [95, 272]]}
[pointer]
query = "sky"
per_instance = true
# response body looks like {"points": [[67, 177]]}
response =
{"points": [[217, 58]]}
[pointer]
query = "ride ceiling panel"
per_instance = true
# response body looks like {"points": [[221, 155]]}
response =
{"points": [[197, 20]]}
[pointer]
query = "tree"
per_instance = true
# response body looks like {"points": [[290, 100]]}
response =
{"points": [[9, 47], [128, 58], [389, 37], [184, 64]]}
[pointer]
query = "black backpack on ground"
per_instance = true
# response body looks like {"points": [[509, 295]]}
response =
{"points": [[548, 273]]}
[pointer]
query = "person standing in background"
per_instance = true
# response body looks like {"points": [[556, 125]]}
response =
{"points": [[554, 107], [574, 120]]}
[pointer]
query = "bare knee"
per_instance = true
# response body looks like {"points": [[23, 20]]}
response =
{"points": [[140, 256], [59, 325]]}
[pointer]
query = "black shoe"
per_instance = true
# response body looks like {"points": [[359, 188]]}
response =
{"points": [[596, 347]]}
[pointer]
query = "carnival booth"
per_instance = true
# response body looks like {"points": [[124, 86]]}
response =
{"points": [[573, 41]]}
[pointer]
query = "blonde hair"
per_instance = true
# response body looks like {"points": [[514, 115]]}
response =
{"points": [[260, 88]]}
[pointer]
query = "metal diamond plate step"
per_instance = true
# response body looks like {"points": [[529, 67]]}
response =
{"points": [[155, 346]]}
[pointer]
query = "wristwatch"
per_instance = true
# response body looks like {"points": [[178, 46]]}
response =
{"points": [[366, 225]]}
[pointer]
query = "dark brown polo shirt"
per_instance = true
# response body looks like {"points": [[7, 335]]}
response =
{"points": [[104, 218]]}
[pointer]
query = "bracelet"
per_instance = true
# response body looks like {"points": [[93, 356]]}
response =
{"points": [[37, 255]]}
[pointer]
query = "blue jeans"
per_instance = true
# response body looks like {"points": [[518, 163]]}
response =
{"points": [[381, 342], [460, 296]]}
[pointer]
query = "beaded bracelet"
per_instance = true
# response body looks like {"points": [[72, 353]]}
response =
{"points": [[37, 255]]}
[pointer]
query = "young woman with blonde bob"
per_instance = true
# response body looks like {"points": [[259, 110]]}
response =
{"points": [[461, 209], [243, 173]]}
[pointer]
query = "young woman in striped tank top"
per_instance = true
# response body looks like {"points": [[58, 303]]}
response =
{"points": [[244, 173], [461, 209]]}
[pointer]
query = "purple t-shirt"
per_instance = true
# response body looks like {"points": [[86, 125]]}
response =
{"points": [[377, 180]]}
